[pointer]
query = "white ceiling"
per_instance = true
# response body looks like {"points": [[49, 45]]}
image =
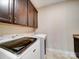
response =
{"points": [[42, 3]]}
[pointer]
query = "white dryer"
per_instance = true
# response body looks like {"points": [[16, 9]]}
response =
{"points": [[22, 48]]}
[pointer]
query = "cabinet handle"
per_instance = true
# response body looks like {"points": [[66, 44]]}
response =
{"points": [[15, 17], [34, 50], [10, 17]]}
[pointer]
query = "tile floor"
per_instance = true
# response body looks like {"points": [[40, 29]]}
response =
{"points": [[58, 56]]}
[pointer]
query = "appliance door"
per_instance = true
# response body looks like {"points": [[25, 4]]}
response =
{"points": [[32, 52], [19, 45]]}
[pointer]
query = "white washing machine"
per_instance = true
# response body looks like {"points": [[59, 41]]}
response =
{"points": [[22, 48]]}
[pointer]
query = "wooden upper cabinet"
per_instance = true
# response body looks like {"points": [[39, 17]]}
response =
{"points": [[20, 12], [5, 10]]}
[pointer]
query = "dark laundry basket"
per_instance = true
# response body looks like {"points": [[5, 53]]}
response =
{"points": [[76, 45]]}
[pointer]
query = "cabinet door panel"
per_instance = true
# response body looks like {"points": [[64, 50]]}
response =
{"points": [[30, 14], [4, 10], [20, 12], [35, 18]]}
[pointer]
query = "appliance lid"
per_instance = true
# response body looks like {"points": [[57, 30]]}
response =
{"points": [[19, 45]]}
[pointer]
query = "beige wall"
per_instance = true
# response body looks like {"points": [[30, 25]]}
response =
{"points": [[60, 22], [7, 29]]}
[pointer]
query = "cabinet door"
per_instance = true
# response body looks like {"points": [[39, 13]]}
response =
{"points": [[20, 12], [30, 14], [5, 10], [35, 18]]}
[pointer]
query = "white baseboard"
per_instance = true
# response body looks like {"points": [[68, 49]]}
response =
{"points": [[66, 53]]}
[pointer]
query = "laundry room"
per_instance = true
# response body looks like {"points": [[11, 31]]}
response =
{"points": [[39, 29]]}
